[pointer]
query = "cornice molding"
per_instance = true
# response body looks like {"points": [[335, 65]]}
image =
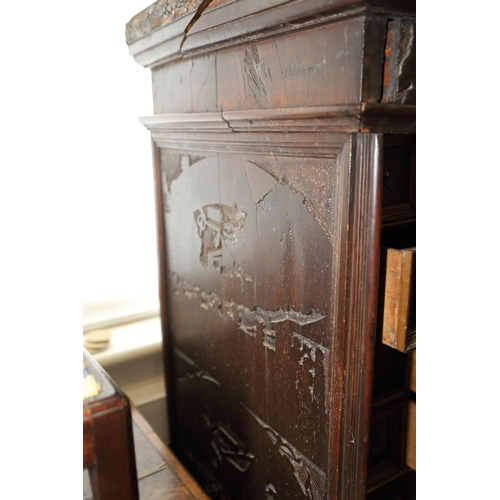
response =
{"points": [[155, 39]]}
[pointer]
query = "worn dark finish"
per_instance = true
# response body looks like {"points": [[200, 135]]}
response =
{"points": [[399, 186], [108, 449], [275, 126], [400, 57], [160, 475]]}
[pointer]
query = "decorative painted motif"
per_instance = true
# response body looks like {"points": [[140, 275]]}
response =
{"points": [[310, 477], [313, 352], [227, 445], [217, 226], [248, 319]]}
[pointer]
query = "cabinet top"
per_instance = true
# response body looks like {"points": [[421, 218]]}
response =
{"points": [[158, 14], [164, 12]]}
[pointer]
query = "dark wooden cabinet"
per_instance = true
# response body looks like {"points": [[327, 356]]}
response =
{"points": [[284, 159]]}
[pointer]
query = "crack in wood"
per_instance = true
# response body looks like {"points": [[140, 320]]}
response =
{"points": [[199, 12]]}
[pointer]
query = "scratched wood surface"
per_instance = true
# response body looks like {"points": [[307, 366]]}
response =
{"points": [[249, 320], [268, 157]]}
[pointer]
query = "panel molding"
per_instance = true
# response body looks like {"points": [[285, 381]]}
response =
{"points": [[247, 131], [355, 335], [302, 119]]}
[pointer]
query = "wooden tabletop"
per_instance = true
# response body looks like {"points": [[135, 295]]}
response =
{"points": [[161, 476]]}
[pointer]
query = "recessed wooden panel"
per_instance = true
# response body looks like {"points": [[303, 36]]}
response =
{"points": [[249, 318], [253, 284], [321, 65], [317, 66]]}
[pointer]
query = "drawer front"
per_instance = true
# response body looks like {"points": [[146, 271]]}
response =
{"points": [[411, 436], [413, 371], [399, 327]]}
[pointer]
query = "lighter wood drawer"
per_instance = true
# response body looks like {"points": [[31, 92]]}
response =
{"points": [[399, 326], [411, 436], [413, 371]]}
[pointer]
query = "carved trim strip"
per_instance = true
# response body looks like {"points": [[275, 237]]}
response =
{"points": [[220, 127], [306, 119], [361, 310], [172, 437], [255, 144]]}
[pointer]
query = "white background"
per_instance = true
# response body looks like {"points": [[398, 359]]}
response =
{"points": [[75, 204], [77, 219]]}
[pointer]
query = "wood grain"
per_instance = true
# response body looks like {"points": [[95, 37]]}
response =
{"points": [[411, 436], [399, 329], [268, 167], [413, 371]]}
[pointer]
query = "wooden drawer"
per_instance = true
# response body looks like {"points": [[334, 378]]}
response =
{"points": [[399, 325], [413, 372], [411, 436]]}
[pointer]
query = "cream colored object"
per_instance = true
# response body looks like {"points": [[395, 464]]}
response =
{"points": [[91, 386], [96, 340]]}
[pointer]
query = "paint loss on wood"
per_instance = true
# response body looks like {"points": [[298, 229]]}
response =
{"points": [[249, 321], [311, 478]]}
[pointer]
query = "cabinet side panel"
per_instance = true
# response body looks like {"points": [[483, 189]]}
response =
{"points": [[251, 258]]}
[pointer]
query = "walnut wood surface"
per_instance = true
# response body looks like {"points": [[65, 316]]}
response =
{"points": [[269, 159]]}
